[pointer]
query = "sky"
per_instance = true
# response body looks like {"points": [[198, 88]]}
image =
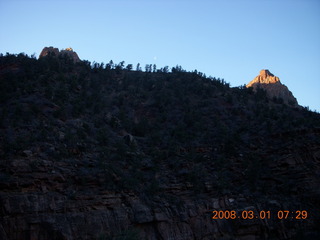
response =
{"points": [[230, 39]]}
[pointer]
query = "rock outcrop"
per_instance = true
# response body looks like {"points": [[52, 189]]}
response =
{"points": [[274, 88], [49, 51], [55, 52]]}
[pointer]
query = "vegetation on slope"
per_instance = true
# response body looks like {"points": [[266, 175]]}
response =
{"points": [[140, 130]]}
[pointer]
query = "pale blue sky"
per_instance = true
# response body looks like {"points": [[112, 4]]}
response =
{"points": [[231, 39]]}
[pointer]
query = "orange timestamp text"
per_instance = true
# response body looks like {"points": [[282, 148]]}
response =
{"points": [[250, 214]]}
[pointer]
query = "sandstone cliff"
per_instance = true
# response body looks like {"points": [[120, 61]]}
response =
{"points": [[274, 88], [55, 52]]}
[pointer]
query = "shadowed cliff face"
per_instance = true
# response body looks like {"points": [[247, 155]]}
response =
{"points": [[55, 52], [274, 88], [108, 153], [67, 199]]}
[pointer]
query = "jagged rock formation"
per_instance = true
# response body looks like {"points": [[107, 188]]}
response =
{"points": [[274, 88], [49, 51], [55, 52]]}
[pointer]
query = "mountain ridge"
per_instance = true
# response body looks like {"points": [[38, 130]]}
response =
{"points": [[104, 152]]}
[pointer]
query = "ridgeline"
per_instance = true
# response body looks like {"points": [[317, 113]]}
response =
{"points": [[94, 151]]}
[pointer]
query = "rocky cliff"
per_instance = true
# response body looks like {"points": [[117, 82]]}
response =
{"points": [[274, 88], [93, 153], [55, 52], [65, 200]]}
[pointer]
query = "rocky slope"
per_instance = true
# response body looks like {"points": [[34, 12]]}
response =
{"points": [[108, 153], [274, 88]]}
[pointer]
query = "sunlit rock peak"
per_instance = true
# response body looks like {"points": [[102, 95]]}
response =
{"points": [[265, 77], [274, 88]]}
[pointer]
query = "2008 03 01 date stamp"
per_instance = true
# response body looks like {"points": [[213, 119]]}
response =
{"points": [[250, 214]]}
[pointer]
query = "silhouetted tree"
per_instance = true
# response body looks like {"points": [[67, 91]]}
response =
{"points": [[109, 65], [177, 68], [121, 65], [148, 67], [129, 67], [138, 68]]}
